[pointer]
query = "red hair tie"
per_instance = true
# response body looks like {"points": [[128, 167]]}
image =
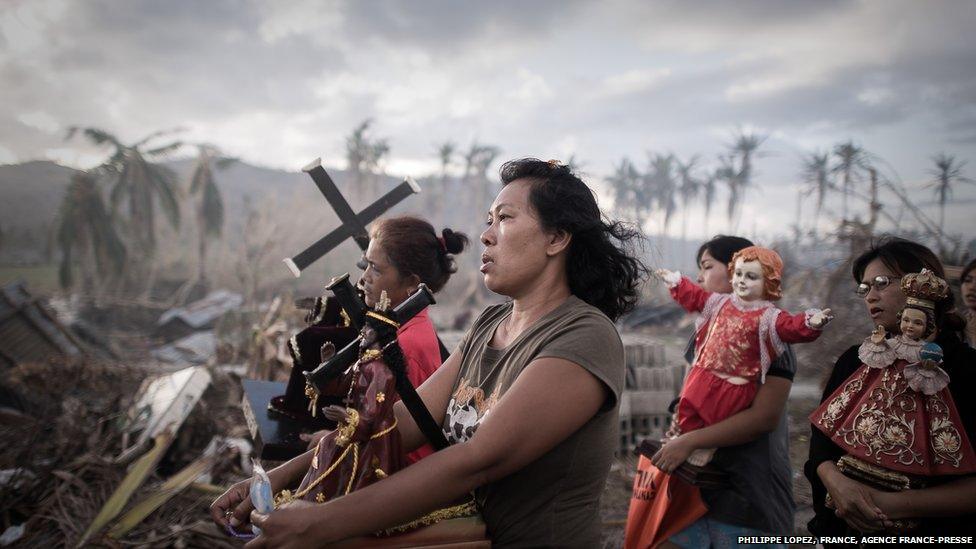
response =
{"points": [[443, 244]]}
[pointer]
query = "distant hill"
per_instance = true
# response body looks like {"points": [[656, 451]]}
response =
{"points": [[31, 193]]}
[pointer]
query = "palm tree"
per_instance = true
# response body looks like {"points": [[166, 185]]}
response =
{"points": [[727, 173], [947, 172], [661, 186], [210, 208], [744, 148], [623, 181], [816, 174], [708, 195], [140, 182], [87, 235], [364, 155], [446, 154], [477, 160], [851, 160], [690, 187]]}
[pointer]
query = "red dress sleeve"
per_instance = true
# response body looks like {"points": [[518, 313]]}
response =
{"points": [[794, 329], [689, 295]]}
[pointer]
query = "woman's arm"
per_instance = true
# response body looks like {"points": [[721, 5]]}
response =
{"points": [[529, 420], [951, 499], [761, 417]]}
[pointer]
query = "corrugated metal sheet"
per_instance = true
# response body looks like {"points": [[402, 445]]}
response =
{"points": [[202, 314], [28, 331]]}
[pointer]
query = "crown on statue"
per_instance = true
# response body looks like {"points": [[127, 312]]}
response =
{"points": [[924, 289]]}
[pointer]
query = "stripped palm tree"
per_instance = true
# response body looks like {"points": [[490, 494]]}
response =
{"points": [[87, 236], [709, 190], [947, 172], [660, 184], [689, 190], [440, 184], [816, 175], [852, 162], [364, 155], [210, 205], [479, 188], [727, 173], [445, 153], [139, 182], [624, 182], [743, 148]]}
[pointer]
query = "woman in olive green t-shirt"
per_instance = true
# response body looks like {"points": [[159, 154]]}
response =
{"points": [[536, 448]]}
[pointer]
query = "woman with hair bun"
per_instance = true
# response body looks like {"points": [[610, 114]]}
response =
{"points": [[528, 399], [404, 252]]}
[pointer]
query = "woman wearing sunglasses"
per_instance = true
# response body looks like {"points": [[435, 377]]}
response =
{"points": [[947, 506]]}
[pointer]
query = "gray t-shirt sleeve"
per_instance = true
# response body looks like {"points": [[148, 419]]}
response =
{"points": [[593, 343], [784, 365]]}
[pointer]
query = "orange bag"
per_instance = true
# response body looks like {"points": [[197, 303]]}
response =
{"points": [[661, 506]]}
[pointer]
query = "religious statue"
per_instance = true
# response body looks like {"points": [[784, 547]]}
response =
{"points": [[737, 336], [895, 416], [365, 447]]}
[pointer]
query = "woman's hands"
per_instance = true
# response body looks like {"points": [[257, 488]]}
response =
{"points": [[854, 502], [673, 453], [233, 508], [289, 526]]}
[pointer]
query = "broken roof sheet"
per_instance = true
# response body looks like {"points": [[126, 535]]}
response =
{"points": [[29, 332], [202, 314]]}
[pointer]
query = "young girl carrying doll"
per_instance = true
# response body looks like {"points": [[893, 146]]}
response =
{"points": [[737, 337]]}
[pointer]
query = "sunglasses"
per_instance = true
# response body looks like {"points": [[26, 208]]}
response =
{"points": [[880, 283]]}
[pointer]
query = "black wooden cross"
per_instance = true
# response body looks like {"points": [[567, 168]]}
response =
{"points": [[353, 224]]}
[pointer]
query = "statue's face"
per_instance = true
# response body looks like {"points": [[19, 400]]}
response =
{"points": [[913, 323], [747, 280]]}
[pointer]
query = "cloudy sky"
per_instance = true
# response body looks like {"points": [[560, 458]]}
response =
{"points": [[280, 83]]}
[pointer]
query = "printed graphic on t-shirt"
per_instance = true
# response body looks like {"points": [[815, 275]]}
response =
{"points": [[467, 408]]}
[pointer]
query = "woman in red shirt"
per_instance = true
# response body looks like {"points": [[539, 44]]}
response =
{"points": [[404, 252]]}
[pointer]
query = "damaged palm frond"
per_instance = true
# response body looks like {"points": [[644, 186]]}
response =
{"points": [[174, 485], [140, 471]]}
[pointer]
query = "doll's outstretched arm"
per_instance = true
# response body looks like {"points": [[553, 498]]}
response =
{"points": [[802, 327], [689, 295], [818, 318], [671, 278]]}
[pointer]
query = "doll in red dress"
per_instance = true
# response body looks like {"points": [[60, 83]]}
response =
{"points": [[737, 337]]}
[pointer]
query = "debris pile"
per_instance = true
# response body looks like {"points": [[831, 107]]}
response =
{"points": [[88, 457]]}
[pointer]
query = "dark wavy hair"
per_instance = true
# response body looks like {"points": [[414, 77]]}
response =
{"points": [[415, 249], [602, 266], [905, 257], [722, 247]]}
